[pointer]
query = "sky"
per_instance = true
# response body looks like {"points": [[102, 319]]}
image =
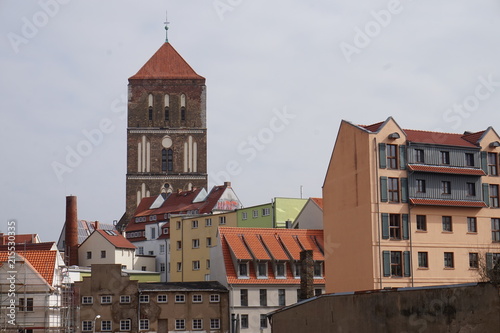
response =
{"points": [[280, 75]]}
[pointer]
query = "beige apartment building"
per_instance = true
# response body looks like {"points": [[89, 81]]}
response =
{"points": [[406, 208]]}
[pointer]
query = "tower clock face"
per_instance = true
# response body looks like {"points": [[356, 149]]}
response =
{"points": [[166, 142]]}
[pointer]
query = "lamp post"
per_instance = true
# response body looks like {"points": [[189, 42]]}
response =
{"points": [[93, 324]]}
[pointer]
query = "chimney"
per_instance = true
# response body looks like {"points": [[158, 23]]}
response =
{"points": [[306, 274], [227, 184], [71, 235], [96, 225]]}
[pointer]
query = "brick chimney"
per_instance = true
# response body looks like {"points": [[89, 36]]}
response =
{"points": [[71, 234], [227, 184], [306, 274]]}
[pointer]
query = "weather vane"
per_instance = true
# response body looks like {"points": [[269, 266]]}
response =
{"points": [[166, 26]]}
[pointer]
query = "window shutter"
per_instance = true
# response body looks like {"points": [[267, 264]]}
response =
{"points": [[489, 261], [406, 234], [406, 262], [387, 263], [404, 190], [486, 194], [385, 226], [382, 155], [402, 157], [383, 189], [484, 161]]}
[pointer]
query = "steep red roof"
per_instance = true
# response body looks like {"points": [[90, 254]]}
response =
{"points": [[44, 262], [22, 238], [438, 138], [372, 127], [166, 63], [47, 246], [318, 201], [263, 244], [116, 239], [454, 203], [473, 137], [444, 169]]}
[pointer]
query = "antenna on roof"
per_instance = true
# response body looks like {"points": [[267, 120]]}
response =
{"points": [[166, 26]]}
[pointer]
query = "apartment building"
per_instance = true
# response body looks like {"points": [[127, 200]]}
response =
{"points": [[279, 213], [409, 208]]}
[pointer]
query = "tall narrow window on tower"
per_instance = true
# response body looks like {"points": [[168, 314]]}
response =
{"points": [[190, 155], [143, 155], [163, 160], [167, 107], [183, 107], [170, 160], [150, 107]]}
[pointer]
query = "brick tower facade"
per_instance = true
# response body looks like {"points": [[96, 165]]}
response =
{"points": [[166, 131]]}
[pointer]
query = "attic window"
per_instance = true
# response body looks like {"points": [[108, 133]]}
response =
{"points": [[243, 270], [394, 136], [262, 270], [495, 144]]}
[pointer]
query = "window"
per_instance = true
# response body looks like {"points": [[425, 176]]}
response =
{"points": [[161, 298], [105, 299], [419, 155], [473, 260], [448, 260], [106, 325], [214, 298], [170, 160], [162, 248], [87, 300], [222, 220], [255, 213], [124, 299], [396, 264], [421, 185], [209, 241], [244, 321], [208, 263], [103, 254], [469, 159], [89, 255], [281, 297], [263, 297], [194, 224], [87, 325], [178, 245], [296, 269], [196, 243], [394, 226], [244, 297], [26, 304], [471, 224], [143, 268], [262, 269], [197, 298], [446, 187], [492, 164], [393, 187], [208, 222], [183, 113], [144, 324], [150, 113], [266, 212], [495, 229], [141, 250], [471, 189], [167, 113], [125, 325], [143, 298], [318, 269], [196, 265], [263, 321], [179, 266], [494, 196], [244, 215], [178, 225], [423, 261], [197, 324], [180, 324], [180, 298], [317, 292], [421, 222], [392, 158], [447, 225], [214, 323], [280, 269], [445, 157], [243, 269]]}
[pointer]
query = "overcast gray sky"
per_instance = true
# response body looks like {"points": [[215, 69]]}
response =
{"points": [[281, 75]]}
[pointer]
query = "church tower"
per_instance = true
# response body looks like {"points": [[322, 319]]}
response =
{"points": [[167, 128]]}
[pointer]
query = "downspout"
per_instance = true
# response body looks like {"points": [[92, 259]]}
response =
{"points": [[379, 224], [410, 235]]}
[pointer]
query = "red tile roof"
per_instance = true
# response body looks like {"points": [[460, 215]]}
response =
{"points": [[43, 262], [454, 203], [263, 244], [473, 137], [445, 169], [32, 246], [166, 63], [374, 127], [21, 238], [116, 239], [318, 201], [438, 138]]}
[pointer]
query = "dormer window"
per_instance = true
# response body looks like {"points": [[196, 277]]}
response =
{"points": [[280, 270], [296, 269], [445, 157], [262, 270], [243, 270]]}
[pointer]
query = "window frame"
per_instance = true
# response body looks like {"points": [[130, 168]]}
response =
{"points": [[263, 297], [395, 227], [143, 324], [281, 297], [392, 156], [423, 259], [421, 186], [208, 222], [162, 298], [196, 265], [196, 243], [493, 189], [244, 321], [243, 297], [197, 298], [125, 325], [125, 299], [419, 156], [103, 297], [396, 267], [393, 189], [180, 324], [495, 229], [197, 324], [492, 161], [214, 298], [421, 222], [214, 323], [471, 189], [472, 224], [85, 300], [445, 187], [143, 298], [444, 157], [262, 270], [469, 160], [473, 260], [106, 323], [449, 260], [86, 324], [180, 298], [447, 223]]}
